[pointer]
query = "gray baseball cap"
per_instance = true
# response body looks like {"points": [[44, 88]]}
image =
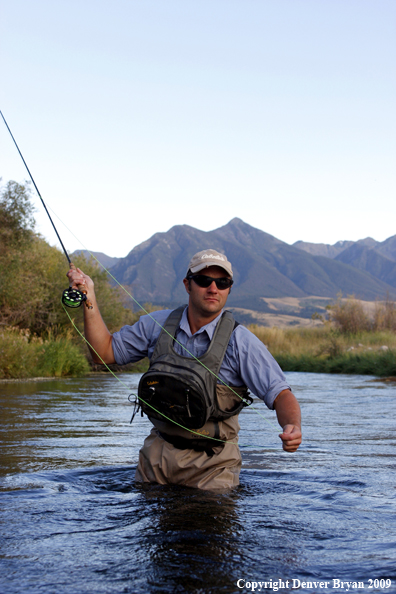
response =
{"points": [[208, 258]]}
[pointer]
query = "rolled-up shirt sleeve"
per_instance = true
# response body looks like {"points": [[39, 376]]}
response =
{"points": [[257, 368]]}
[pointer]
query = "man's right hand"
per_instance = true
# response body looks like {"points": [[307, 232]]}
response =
{"points": [[96, 332], [79, 280]]}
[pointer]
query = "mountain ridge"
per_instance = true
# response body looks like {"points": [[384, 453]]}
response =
{"points": [[386, 248], [264, 267], [266, 270]]}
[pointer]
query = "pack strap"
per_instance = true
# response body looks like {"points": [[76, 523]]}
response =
{"points": [[167, 333]]}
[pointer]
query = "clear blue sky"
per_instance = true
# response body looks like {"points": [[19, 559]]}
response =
{"points": [[137, 115]]}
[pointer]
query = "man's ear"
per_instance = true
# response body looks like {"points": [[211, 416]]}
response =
{"points": [[187, 285]]}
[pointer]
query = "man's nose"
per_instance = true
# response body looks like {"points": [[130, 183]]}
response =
{"points": [[213, 287]]}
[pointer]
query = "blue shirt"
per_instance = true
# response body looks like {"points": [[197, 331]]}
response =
{"points": [[246, 361]]}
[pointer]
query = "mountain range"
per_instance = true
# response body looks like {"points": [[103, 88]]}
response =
{"points": [[264, 267], [376, 258]]}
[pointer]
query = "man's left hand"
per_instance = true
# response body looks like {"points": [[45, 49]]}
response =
{"points": [[291, 437]]}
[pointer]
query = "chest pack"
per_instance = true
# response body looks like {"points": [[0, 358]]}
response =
{"points": [[181, 388]]}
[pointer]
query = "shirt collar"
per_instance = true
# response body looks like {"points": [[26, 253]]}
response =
{"points": [[208, 328]]}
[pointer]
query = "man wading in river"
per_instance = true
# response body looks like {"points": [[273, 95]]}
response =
{"points": [[180, 387]]}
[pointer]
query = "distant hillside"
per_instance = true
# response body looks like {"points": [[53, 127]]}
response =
{"points": [[323, 249], [370, 260], [264, 267], [332, 251], [386, 248]]}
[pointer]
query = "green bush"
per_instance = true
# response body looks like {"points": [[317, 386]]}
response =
{"points": [[18, 356], [381, 363], [23, 356], [60, 357]]}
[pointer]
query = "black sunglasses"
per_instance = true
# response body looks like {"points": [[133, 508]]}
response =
{"points": [[205, 281]]}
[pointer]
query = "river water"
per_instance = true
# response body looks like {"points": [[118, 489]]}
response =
{"points": [[73, 521]]}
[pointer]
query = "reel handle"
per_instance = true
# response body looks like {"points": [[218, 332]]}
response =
{"points": [[83, 290]]}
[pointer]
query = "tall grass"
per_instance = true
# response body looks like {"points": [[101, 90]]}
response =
{"points": [[24, 356], [349, 342], [363, 363], [18, 356], [60, 356]]}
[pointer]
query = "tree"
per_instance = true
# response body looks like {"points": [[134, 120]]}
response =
{"points": [[16, 215], [33, 274]]}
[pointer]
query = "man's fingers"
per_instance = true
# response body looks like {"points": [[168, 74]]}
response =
{"points": [[76, 277], [291, 438], [291, 448], [296, 435]]}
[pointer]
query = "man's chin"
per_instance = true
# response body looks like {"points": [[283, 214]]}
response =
{"points": [[212, 307]]}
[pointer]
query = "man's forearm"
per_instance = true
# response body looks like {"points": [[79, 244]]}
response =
{"points": [[287, 409], [97, 335], [289, 418]]}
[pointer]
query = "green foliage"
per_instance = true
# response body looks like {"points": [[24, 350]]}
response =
{"points": [[59, 357], [16, 214], [381, 363], [331, 346], [18, 356], [23, 355], [33, 274], [28, 264], [33, 277]]}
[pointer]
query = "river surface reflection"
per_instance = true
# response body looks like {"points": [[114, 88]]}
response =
{"points": [[73, 520]]}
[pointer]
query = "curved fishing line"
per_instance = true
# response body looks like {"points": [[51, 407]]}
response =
{"points": [[158, 324]]}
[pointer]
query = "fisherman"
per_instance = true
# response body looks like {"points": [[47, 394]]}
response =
{"points": [[173, 454]]}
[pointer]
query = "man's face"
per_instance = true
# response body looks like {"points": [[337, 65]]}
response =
{"points": [[207, 302]]}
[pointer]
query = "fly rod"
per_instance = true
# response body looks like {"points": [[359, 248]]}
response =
{"points": [[70, 297]]}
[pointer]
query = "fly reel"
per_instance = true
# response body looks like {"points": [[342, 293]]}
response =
{"points": [[73, 298]]}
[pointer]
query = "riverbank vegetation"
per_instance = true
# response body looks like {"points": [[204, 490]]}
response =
{"points": [[349, 341], [36, 337]]}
